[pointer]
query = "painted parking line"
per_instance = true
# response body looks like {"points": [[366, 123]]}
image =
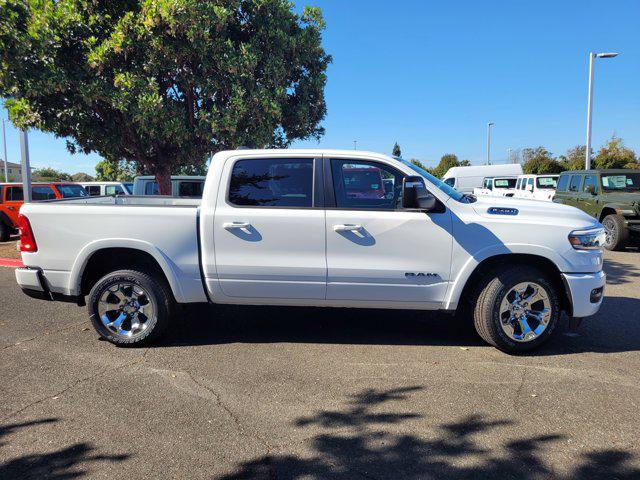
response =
{"points": [[11, 262]]}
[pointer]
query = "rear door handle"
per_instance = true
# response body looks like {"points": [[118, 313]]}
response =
{"points": [[236, 225], [349, 227]]}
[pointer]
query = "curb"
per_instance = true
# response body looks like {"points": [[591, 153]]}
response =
{"points": [[11, 262]]}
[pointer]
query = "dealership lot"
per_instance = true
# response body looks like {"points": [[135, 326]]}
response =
{"points": [[299, 393]]}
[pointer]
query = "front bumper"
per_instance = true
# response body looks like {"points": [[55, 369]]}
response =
{"points": [[581, 287]]}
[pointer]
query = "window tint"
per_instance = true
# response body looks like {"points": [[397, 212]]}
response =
{"points": [[151, 188], [15, 194], [488, 183], [273, 182], [190, 189], [530, 182], [42, 193], [450, 181], [113, 190], [93, 190], [627, 182], [574, 186], [359, 184], [71, 191], [563, 181], [590, 180]]}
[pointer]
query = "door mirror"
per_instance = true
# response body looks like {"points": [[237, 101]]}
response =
{"points": [[591, 189], [415, 196]]}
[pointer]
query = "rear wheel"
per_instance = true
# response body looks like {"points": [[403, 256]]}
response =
{"points": [[5, 231], [617, 234], [127, 307], [517, 309]]}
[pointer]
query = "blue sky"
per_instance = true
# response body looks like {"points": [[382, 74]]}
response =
{"points": [[431, 74]]}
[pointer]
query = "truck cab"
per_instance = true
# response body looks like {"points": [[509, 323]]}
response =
{"points": [[536, 187]]}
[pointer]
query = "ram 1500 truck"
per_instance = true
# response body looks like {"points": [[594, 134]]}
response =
{"points": [[291, 227]]}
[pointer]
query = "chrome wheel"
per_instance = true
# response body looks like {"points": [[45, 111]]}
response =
{"points": [[126, 309], [609, 230], [525, 312]]}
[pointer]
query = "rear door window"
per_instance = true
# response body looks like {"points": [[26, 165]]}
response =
{"points": [[190, 189], [113, 190], [43, 192], [273, 182], [93, 190], [574, 186], [15, 194]]}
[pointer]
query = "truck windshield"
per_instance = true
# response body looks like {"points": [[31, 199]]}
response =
{"points": [[621, 182], [547, 182], [452, 192]]}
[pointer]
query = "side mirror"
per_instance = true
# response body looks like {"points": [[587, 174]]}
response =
{"points": [[415, 196], [591, 189]]}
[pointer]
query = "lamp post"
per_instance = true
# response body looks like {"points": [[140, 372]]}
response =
{"points": [[489, 125], [592, 57], [26, 167], [4, 145]]}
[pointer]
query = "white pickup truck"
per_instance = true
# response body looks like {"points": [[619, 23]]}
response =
{"points": [[316, 228]]}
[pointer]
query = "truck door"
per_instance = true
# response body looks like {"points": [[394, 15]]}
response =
{"points": [[589, 195], [573, 192], [13, 200], [377, 252], [269, 238]]}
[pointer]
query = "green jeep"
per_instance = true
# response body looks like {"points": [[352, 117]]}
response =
{"points": [[610, 196]]}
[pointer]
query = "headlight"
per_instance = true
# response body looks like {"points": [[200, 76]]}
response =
{"points": [[588, 239]]}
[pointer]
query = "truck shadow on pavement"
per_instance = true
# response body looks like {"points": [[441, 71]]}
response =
{"points": [[218, 324], [356, 442], [62, 464], [619, 273]]}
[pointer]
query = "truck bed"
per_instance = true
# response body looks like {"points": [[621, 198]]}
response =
{"points": [[68, 232]]}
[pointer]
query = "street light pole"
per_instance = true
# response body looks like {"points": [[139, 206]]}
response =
{"points": [[509, 155], [592, 58], [26, 168], [355, 144], [489, 125], [4, 146]]}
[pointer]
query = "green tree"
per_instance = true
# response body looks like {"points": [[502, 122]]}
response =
{"points": [[540, 161], [447, 161], [396, 150], [163, 82], [111, 171], [615, 155], [574, 159], [82, 177], [49, 174]]}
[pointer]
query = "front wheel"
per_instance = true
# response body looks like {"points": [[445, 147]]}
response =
{"points": [[517, 309], [127, 307], [617, 234]]}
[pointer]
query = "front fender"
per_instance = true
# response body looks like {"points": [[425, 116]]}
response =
{"points": [[469, 266], [88, 250]]}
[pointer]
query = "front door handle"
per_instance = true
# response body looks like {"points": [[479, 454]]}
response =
{"points": [[236, 225], [349, 227]]}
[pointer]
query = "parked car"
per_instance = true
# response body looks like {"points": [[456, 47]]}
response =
{"points": [[181, 186], [278, 227], [497, 187], [108, 188], [610, 196], [12, 198], [536, 187], [465, 179]]}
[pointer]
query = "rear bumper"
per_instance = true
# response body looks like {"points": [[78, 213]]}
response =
{"points": [[586, 291], [34, 284]]}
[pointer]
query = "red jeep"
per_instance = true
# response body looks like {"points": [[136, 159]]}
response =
{"points": [[11, 199]]}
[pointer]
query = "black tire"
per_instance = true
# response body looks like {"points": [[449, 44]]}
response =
{"points": [[5, 231], [157, 293], [617, 232], [491, 293]]}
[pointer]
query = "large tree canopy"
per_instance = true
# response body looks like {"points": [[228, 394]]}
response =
{"points": [[163, 82]]}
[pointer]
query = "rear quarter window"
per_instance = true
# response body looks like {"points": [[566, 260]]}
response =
{"points": [[563, 181]]}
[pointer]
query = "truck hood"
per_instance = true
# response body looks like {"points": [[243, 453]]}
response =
{"points": [[534, 211]]}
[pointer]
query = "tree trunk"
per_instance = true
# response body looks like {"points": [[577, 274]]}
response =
{"points": [[163, 176]]}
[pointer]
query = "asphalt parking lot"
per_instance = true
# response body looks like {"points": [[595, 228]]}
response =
{"points": [[314, 394]]}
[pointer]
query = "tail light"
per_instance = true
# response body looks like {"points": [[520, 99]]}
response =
{"points": [[27, 240]]}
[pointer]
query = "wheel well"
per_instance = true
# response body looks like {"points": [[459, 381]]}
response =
{"points": [[606, 211], [490, 264], [111, 259]]}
